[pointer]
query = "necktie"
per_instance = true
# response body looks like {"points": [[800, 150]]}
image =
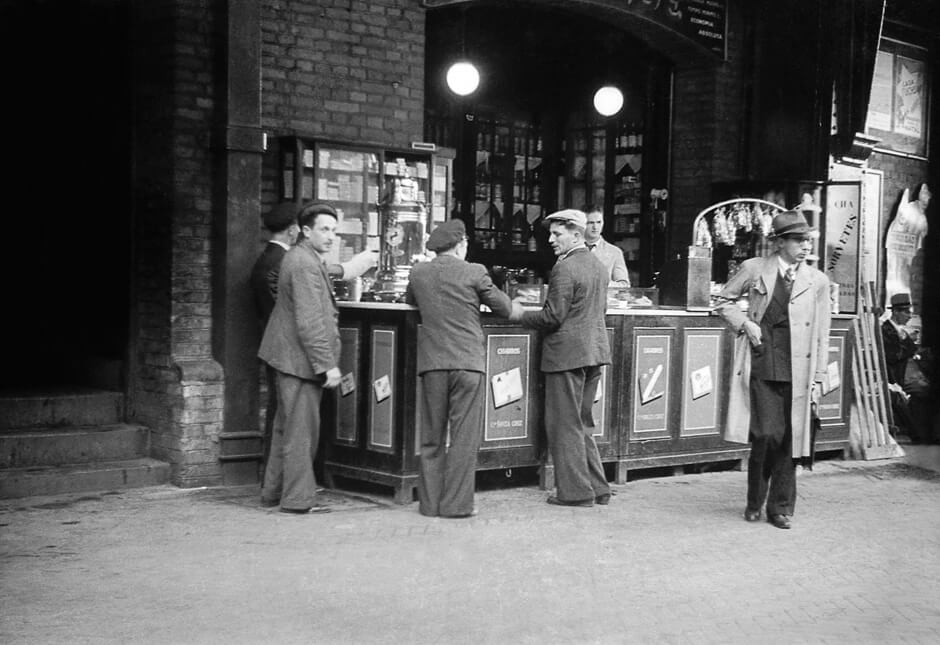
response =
{"points": [[591, 247], [788, 278]]}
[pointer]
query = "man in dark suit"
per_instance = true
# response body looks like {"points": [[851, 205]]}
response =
{"points": [[281, 222], [910, 404], [574, 347], [448, 291], [301, 342]]}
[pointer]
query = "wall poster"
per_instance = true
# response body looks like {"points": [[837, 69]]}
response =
{"points": [[841, 234], [900, 94]]}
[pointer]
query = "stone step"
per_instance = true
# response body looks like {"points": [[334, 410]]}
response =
{"points": [[99, 476], [71, 407], [32, 447]]}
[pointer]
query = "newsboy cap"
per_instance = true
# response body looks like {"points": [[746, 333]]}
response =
{"points": [[446, 235], [280, 217], [569, 215], [901, 301], [790, 223]]}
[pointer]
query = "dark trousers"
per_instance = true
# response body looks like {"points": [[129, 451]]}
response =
{"points": [[569, 424], [454, 398], [771, 469], [270, 412], [288, 476]]}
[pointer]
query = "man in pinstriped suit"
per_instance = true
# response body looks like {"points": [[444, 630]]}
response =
{"points": [[448, 292], [574, 347]]}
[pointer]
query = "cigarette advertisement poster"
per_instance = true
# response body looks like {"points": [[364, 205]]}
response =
{"points": [[651, 362]]}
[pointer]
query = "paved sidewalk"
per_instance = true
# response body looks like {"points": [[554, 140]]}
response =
{"points": [[669, 561]]}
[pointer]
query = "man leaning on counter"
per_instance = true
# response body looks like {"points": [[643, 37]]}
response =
{"points": [[574, 348]]}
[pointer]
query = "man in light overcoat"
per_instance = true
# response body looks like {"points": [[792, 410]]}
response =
{"points": [[779, 363]]}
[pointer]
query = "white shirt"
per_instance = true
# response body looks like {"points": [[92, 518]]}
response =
{"points": [[281, 244]]}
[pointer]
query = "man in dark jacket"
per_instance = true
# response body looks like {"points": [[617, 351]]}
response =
{"points": [[281, 222], [574, 347], [909, 401], [448, 291]]}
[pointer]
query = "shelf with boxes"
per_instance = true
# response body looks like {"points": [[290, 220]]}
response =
{"points": [[358, 179]]}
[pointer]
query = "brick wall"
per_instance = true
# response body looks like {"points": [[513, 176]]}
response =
{"points": [[175, 386], [344, 70], [709, 123]]}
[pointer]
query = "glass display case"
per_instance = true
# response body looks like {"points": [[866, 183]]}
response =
{"points": [[362, 183]]}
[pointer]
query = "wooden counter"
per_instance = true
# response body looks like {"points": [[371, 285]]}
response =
{"points": [[663, 400]]}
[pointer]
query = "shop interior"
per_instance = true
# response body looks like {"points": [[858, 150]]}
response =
{"points": [[530, 140]]}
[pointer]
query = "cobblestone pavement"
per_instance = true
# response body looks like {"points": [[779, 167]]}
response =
{"points": [[670, 560]]}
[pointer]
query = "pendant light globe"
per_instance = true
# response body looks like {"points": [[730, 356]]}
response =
{"points": [[463, 78], [608, 100]]}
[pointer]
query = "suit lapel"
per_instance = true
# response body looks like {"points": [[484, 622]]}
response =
{"points": [[769, 274]]}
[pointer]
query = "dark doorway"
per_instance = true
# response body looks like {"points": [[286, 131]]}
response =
{"points": [[66, 68]]}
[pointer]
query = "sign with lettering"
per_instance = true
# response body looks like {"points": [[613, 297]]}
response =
{"points": [[507, 393], [704, 22], [841, 219], [651, 361]]}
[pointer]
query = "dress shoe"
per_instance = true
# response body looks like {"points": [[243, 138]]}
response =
{"points": [[316, 508], [578, 502], [268, 503], [461, 515], [751, 516], [603, 499], [780, 521]]}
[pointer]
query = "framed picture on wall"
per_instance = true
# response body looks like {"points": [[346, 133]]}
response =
{"points": [[900, 98]]}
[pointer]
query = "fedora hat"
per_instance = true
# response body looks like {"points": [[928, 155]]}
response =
{"points": [[901, 301], [789, 223]]}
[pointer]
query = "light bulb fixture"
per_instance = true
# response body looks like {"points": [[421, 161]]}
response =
{"points": [[608, 100], [463, 78]]}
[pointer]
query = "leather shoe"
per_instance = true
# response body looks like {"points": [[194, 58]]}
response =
{"points": [[316, 508], [461, 515], [603, 499], [780, 521], [751, 516], [577, 502]]}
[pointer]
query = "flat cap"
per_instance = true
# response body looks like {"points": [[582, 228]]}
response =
{"points": [[790, 223], [901, 301], [317, 208], [280, 217], [446, 235], [569, 215]]}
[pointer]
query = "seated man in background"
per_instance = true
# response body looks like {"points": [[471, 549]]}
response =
{"points": [[907, 369]]}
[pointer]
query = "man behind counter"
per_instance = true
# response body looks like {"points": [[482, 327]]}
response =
{"points": [[610, 256]]}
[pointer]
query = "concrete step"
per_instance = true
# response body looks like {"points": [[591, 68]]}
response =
{"points": [[33, 447], [67, 407], [99, 476]]}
